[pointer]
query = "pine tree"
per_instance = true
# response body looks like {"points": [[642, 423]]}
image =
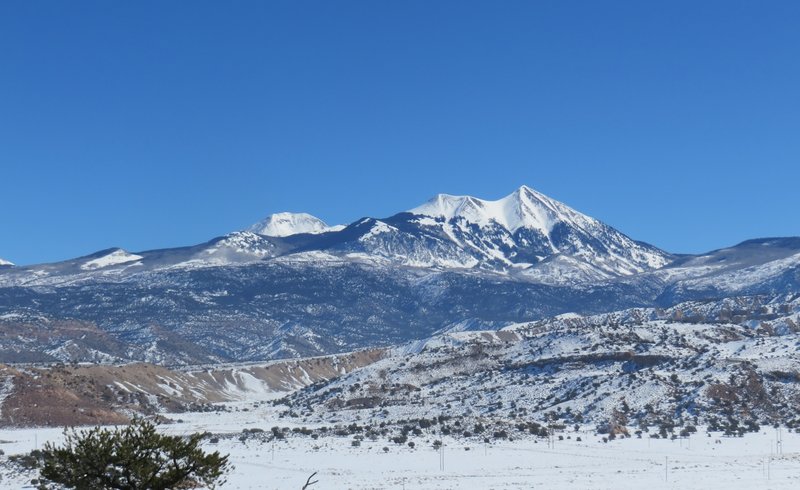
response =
{"points": [[133, 457]]}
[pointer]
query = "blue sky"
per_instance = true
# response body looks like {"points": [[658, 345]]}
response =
{"points": [[155, 124]]}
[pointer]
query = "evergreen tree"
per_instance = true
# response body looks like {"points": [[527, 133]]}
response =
{"points": [[134, 457]]}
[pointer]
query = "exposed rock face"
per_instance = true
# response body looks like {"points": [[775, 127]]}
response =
{"points": [[103, 394]]}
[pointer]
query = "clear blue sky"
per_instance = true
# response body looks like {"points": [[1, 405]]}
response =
{"points": [[156, 124]]}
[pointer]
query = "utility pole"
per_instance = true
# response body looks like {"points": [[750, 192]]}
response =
{"points": [[769, 469]]}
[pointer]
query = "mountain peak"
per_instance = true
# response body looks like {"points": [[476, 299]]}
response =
{"points": [[5, 262], [523, 208], [285, 224], [538, 227]]}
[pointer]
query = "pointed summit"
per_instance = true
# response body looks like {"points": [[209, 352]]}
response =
{"points": [[5, 262], [286, 224], [529, 208], [538, 227], [523, 208]]}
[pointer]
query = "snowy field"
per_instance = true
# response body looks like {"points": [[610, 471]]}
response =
{"points": [[635, 464], [702, 462]]}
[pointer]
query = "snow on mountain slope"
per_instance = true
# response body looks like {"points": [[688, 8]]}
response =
{"points": [[734, 280], [563, 270], [5, 262], [287, 224], [652, 372], [234, 248], [761, 266], [524, 231], [524, 208], [249, 296], [380, 242], [116, 257], [650, 365], [527, 227]]}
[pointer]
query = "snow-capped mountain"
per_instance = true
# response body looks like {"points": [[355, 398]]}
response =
{"points": [[5, 262], [449, 264], [526, 235], [286, 224], [471, 309], [524, 231]]}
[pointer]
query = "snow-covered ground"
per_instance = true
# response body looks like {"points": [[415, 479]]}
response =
{"points": [[632, 463], [701, 461]]}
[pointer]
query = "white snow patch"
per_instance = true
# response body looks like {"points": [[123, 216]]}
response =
{"points": [[116, 257], [524, 208], [286, 224], [377, 228]]}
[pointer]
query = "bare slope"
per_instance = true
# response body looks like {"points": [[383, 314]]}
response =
{"points": [[102, 394]]}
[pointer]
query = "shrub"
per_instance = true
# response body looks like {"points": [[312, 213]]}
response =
{"points": [[401, 439]]}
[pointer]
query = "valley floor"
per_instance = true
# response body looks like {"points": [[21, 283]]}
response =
{"points": [[634, 464], [701, 461]]}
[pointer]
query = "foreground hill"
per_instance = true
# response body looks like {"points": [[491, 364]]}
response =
{"points": [[727, 364], [63, 395], [732, 364]]}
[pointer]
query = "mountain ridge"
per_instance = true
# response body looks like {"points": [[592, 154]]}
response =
{"points": [[516, 232], [376, 282]]}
